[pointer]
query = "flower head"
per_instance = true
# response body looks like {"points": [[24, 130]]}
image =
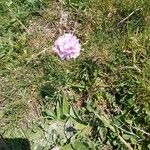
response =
{"points": [[67, 46]]}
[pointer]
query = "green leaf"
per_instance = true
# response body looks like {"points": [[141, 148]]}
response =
{"points": [[133, 140], [65, 106], [103, 133], [79, 146], [105, 121], [67, 147], [85, 129], [148, 146], [49, 114], [126, 136], [58, 110], [74, 113]]}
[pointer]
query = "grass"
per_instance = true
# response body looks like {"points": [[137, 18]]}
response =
{"points": [[98, 101]]}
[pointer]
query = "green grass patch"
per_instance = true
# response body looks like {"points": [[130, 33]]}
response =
{"points": [[98, 101]]}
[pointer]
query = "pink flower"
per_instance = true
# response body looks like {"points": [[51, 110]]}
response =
{"points": [[67, 46]]}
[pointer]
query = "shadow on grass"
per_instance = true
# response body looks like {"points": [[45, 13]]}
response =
{"points": [[14, 144]]}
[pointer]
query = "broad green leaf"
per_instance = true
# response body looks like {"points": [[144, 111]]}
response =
{"points": [[79, 146], [85, 129], [133, 140], [67, 147], [126, 136]]}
